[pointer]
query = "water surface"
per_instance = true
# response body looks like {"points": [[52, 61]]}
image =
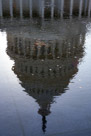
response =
{"points": [[45, 73]]}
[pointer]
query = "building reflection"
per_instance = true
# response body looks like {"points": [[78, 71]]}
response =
{"points": [[45, 66]]}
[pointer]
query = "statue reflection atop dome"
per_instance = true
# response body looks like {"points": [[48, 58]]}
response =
{"points": [[46, 65]]}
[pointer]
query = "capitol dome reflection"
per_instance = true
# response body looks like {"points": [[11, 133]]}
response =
{"points": [[45, 64]]}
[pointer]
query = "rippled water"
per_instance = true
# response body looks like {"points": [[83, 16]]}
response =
{"points": [[45, 77]]}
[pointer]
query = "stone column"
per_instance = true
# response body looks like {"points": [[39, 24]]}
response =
{"points": [[89, 8], [30, 8], [46, 46], [85, 6], [80, 8], [1, 10], [52, 8], [38, 51], [21, 8], [42, 9], [39, 4], [62, 8], [11, 7], [71, 7]]}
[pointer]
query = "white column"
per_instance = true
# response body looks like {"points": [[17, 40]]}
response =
{"points": [[31, 8], [62, 8], [11, 7], [89, 8], [42, 9], [71, 7], [21, 8], [80, 8], [1, 10], [52, 8]]}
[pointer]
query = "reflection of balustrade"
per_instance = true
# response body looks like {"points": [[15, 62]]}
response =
{"points": [[44, 49], [45, 8]]}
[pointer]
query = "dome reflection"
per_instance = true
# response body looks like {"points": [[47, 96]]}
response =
{"points": [[45, 63]]}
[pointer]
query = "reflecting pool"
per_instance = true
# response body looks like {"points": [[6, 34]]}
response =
{"points": [[45, 77]]}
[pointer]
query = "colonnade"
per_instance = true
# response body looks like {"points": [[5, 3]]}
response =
{"points": [[56, 49], [84, 6], [59, 69]]}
